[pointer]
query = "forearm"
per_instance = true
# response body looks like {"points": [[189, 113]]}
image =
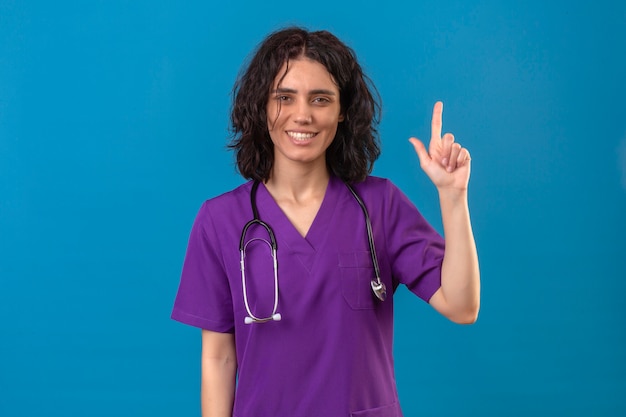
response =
{"points": [[460, 276], [219, 369]]}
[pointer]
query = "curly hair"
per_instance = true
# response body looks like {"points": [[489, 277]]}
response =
{"points": [[354, 149]]}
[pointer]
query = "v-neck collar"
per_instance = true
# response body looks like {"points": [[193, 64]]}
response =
{"points": [[286, 233]]}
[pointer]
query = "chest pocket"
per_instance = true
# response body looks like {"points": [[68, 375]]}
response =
{"points": [[357, 272]]}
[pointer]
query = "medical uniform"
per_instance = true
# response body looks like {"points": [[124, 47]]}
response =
{"points": [[331, 354]]}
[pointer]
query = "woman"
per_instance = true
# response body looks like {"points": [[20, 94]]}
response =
{"points": [[310, 333]]}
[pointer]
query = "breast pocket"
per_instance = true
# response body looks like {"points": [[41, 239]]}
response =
{"points": [[357, 272]]}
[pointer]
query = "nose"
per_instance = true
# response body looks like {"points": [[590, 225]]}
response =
{"points": [[303, 113]]}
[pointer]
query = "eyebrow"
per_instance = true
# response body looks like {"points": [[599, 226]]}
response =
{"points": [[312, 92]]}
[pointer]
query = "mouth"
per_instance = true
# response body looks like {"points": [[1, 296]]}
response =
{"points": [[300, 136]]}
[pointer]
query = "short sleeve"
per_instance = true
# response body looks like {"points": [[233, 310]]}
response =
{"points": [[415, 248], [204, 298]]}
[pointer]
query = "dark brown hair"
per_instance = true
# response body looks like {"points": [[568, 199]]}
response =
{"points": [[355, 147]]}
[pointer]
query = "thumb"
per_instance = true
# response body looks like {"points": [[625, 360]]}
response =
{"points": [[420, 150]]}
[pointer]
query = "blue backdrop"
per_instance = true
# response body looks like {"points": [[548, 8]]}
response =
{"points": [[113, 125]]}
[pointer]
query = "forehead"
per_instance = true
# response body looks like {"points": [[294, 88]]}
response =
{"points": [[304, 73]]}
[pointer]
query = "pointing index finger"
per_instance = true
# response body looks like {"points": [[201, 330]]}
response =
{"points": [[436, 122]]}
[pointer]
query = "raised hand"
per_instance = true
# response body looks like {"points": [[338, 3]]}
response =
{"points": [[446, 163]]}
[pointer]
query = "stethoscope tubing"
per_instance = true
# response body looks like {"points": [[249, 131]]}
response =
{"points": [[377, 285]]}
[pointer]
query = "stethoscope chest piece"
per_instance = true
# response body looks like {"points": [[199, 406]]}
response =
{"points": [[380, 289]]}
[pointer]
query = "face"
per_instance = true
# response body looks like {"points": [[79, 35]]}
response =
{"points": [[303, 113]]}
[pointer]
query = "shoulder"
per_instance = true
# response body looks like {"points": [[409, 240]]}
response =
{"points": [[381, 194], [237, 196], [227, 207], [376, 187]]}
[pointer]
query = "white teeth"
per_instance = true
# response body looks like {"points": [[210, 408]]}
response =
{"points": [[300, 136]]}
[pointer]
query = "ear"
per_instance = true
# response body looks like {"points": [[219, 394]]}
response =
{"points": [[341, 117]]}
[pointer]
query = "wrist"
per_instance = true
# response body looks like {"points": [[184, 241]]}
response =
{"points": [[449, 196]]}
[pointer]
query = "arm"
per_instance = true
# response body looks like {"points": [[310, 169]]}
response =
{"points": [[447, 164], [219, 368]]}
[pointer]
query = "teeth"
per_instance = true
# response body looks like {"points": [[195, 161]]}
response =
{"points": [[300, 136]]}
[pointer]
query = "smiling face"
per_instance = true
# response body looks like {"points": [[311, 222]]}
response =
{"points": [[303, 113]]}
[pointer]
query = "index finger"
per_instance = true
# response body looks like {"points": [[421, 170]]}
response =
{"points": [[435, 127]]}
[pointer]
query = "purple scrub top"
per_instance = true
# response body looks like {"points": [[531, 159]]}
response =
{"points": [[331, 354]]}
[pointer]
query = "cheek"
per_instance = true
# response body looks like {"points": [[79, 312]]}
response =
{"points": [[332, 121]]}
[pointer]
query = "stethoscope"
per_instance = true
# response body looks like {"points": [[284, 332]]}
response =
{"points": [[378, 287]]}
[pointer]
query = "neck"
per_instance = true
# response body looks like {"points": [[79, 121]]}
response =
{"points": [[298, 186]]}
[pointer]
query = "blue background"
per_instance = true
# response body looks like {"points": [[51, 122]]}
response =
{"points": [[113, 125]]}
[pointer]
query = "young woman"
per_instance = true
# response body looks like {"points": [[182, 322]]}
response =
{"points": [[291, 275]]}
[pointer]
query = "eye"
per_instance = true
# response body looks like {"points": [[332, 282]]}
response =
{"points": [[321, 100], [282, 97]]}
